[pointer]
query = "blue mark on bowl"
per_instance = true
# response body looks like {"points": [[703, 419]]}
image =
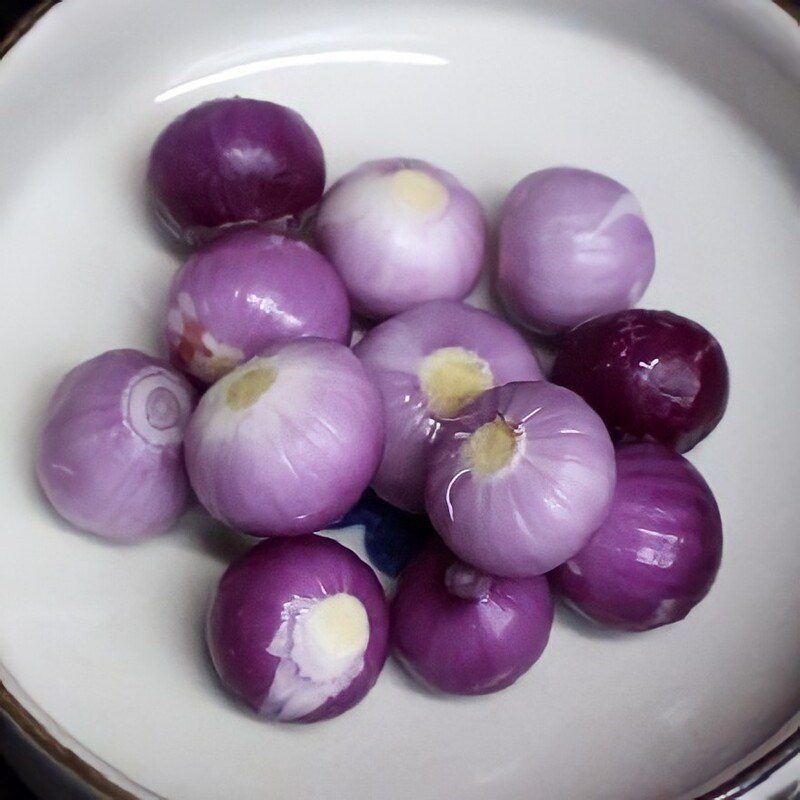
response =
{"points": [[391, 537]]}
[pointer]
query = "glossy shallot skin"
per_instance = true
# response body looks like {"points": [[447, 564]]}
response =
{"points": [[657, 553], [286, 443], [394, 354], [401, 232], [234, 161], [573, 244], [649, 374], [461, 631], [521, 479], [268, 649], [245, 292], [110, 456]]}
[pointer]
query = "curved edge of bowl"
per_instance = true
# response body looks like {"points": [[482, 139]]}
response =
{"points": [[758, 771], [36, 735], [791, 7], [25, 24], [37, 746]]}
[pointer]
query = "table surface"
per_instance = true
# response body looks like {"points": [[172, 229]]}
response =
{"points": [[10, 785]]}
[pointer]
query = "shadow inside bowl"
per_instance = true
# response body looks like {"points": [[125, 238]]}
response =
{"points": [[206, 535], [572, 620]]}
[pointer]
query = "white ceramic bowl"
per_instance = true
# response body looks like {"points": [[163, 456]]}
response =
{"points": [[694, 104]]}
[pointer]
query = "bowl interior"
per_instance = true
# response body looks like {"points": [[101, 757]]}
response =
{"points": [[693, 105]]}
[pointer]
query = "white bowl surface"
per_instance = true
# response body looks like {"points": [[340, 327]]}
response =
{"points": [[694, 105]]}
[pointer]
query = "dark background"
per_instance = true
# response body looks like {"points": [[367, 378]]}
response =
{"points": [[11, 788], [10, 12]]}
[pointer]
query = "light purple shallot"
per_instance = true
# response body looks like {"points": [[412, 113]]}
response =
{"points": [[573, 244], [429, 363], [111, 452], [286, 443], [401, 232], [246, 292]]}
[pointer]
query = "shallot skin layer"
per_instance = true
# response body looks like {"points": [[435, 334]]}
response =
{"points": [[110, 457], [286, 443], [650, 375], [521, 479], [298, 629], [428, 363], [656, 555], [461, 631], [245, 292], [400, 232], [234, 161], [573, 245]]}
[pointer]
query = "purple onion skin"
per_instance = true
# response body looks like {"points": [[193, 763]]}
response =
{"points": [[232, 161], [110, 457], [253, 602], [394, 251], [246, 292], [392, 354], [461, 631], [657, 554], [541, 506], [286, 443], [649, 374], [573, 244]]}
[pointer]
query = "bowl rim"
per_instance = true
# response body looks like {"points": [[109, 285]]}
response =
{"points": [[36, 732]]}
